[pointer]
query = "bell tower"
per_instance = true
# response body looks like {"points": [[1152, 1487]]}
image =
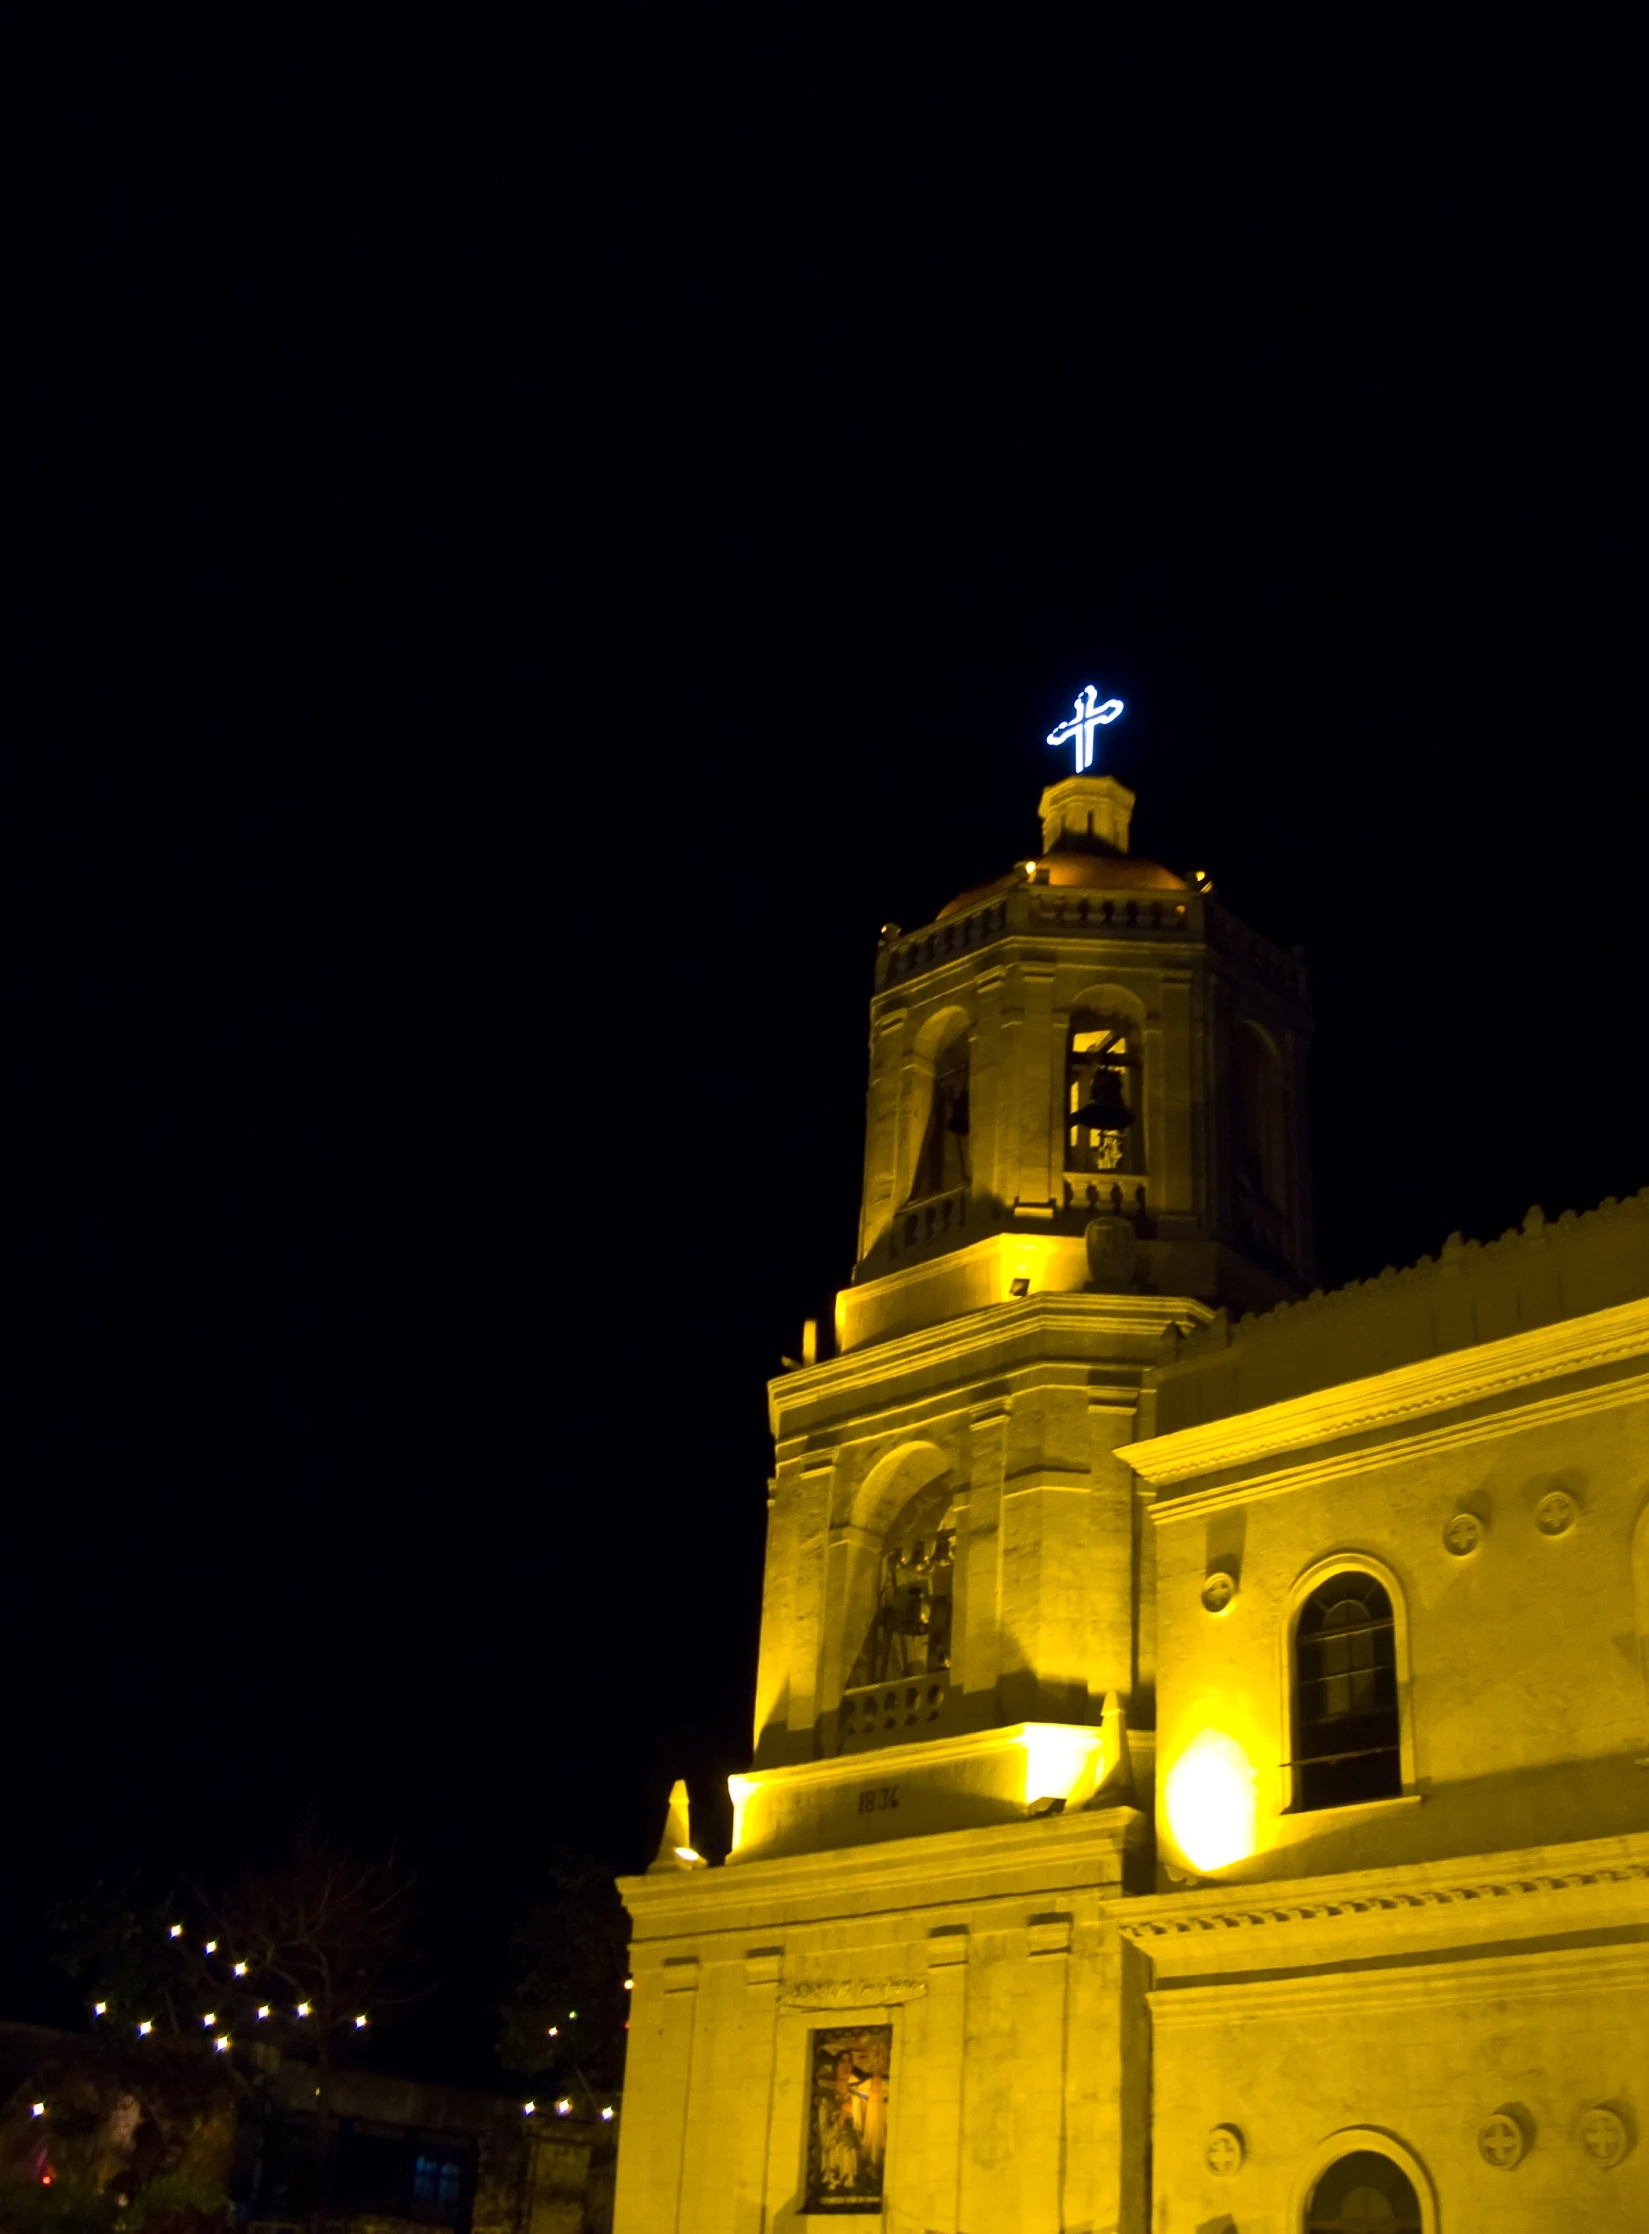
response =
{"points": [[1085, 1076]]}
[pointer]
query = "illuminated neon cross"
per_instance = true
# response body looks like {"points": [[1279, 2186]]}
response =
{"points": [[1079, 730]]}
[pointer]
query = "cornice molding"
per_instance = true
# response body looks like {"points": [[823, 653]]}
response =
{"points": [[1327, 1900], [1340, 1465], [1462, 1377], [852, 1993], [933, 1871], [1541, 1974], [1140, 1319]]}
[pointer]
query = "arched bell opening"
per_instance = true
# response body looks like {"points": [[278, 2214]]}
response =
{"points": [[1104, 1098], [940, 1115]]}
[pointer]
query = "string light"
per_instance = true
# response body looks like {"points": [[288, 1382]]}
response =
{"points": [[176, 1932], [264, 2011], [360, 2024], [607, 2112], [211, 1946], [529, 2109], [240, 1970], [629, 1985], [37, 2110], [222, 2042], [303, 2009], [572, 2016], [144, 2029], [100, 2008], [555, 2032], [563, 2108]]}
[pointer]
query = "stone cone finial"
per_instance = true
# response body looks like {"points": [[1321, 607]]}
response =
{"points": [[675, 1848], [1114, 1783]]}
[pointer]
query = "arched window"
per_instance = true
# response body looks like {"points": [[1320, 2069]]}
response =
{"points": [[1102, 1084], [943, 1160], [1364, 2193], [1347, 1737], [1257, 1120]]}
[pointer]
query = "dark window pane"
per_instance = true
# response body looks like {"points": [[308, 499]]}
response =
{"points": [[1347, 1743]]}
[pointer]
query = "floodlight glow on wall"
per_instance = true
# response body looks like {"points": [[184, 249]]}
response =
{"points": [[1210, 1801], [1058, 1764]]}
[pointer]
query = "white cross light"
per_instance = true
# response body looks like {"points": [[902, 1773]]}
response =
{"points": [[1079, 730]]}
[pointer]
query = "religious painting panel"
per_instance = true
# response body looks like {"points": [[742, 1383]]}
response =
{"points": [[847, 2118]]}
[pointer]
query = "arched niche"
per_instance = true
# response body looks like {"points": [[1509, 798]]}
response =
{"points": [[936, 1119], [898, 1478], [1259, 1118], [899, 1591]]}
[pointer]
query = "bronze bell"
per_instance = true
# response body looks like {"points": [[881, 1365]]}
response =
{"points": [[1105, 1111]]}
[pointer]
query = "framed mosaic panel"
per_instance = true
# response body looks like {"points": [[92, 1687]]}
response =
{"points": [[850, 2069]]}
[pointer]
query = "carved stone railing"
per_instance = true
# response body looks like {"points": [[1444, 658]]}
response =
{"points": [[1106, 913], [905, 957], [890, 1713], [934, 1215], [1075, 910]]}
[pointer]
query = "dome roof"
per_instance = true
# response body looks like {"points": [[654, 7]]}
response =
{"points": [[1101, 872]]}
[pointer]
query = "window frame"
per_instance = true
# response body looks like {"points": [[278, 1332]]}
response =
{"points": [[1348, 1562], [1348, 2142]]}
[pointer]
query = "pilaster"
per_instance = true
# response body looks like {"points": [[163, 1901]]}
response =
{"points": [[1036, 1191], [981, 1656]]}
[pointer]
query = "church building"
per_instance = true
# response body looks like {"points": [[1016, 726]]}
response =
{"points": [[1200, 1776]]}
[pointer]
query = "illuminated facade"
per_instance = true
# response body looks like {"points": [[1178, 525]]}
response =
{"points": [[1201, 1757]]}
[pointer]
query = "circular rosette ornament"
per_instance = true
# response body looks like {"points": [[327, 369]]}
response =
{"points": [[1224, 2151], [1603, 2136], [1218, 1591], [1500, 2141], [1463, 1534]]}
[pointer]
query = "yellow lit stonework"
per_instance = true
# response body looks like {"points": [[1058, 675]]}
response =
{"points": [[1094, 1489]]}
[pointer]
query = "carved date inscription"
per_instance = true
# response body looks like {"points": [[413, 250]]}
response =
{"points": [[880, 1796]]}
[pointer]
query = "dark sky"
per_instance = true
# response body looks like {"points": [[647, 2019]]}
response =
{"points": [[529, 539]]}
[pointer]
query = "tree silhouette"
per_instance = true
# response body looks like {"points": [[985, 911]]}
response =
{"points": [[565, 2012]]}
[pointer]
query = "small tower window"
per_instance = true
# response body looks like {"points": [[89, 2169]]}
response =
{"points": [[943, 1162], [1348, 1741], [1102, 1096]]}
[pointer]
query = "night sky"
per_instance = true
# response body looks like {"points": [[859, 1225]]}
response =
{"points": [[529, 539]]}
